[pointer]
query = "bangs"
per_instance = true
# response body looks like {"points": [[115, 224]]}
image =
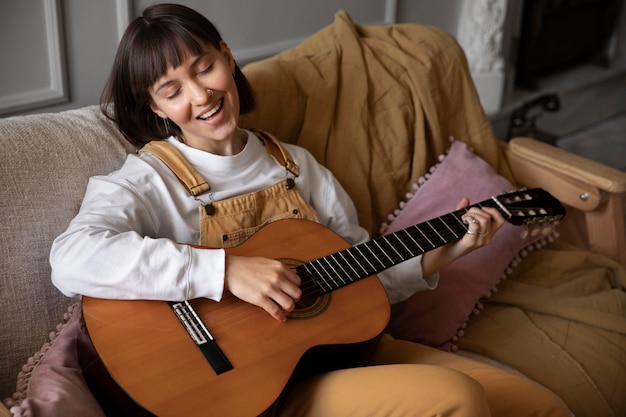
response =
{"points": [[157, 52]]}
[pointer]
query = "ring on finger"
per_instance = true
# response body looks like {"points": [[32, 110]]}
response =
{"points": [[471, 220], [470, 232], [483, 234]]}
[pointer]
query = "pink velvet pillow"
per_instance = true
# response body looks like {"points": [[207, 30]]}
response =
{"points": [[51, 383], [66, 378], [437, 317]]}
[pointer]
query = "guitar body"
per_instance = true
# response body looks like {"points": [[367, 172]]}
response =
{"points": [[152, 357], [149, 353]]}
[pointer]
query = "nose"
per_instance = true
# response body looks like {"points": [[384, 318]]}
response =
{"points": [[200, 94]]}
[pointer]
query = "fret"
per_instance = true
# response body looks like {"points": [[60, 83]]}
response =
{"points": [[343, 278], [358, 248], [401, 250], [369, 258], [360, 264], [385, 257], [343, 273], [500, 207], [381, 250], [329, 270], [354, 272], [462, 226], [318, 274], [376, 255], [436, 232], [406, 231], [419, 229], [450, 231], [349, 271]]}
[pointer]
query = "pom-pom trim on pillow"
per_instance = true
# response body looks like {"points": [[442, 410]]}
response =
{"points": [[24, 376], [438, 317]]}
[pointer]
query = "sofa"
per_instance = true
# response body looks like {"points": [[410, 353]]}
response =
{"points": [[392, 111]]}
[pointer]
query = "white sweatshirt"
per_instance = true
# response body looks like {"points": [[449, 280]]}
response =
{"points": [[130, 238]]}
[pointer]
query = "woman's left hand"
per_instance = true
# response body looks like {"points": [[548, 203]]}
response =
{"points": [[482, 223]]}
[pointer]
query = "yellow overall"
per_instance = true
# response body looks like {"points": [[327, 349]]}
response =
{"points": [[228, 223]]}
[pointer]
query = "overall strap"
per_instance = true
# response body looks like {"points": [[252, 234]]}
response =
{"points": [[277, 151], [176, 162], [193, 181]]}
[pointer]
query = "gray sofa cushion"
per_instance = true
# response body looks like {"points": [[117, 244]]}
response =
{"points": [[41, 190]]}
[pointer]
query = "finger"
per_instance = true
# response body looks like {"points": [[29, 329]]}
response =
{"points": [[478, 223], [286, 292], [463, 203], [496, 217], [287, 282], [473, 230], [279, 303], [483, 225], [293, 277], [478, 213], [484, 215], [284, 301], [472, 224], [274, 310], [291, 289], [490, 220]]}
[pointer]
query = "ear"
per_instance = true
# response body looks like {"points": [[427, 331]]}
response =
{"points": [[157, 111], [229, 56]]}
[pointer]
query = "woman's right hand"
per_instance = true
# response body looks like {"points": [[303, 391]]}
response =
{"points": [[264, 282]]}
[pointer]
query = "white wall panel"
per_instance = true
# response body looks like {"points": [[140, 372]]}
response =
{"points": [[32, 55]]}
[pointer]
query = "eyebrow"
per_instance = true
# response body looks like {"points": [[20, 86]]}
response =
{"points": [[195, 61]]}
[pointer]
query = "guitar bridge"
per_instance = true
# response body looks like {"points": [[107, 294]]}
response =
{"points": [[201, 336]]}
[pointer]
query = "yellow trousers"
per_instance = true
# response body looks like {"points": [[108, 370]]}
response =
{"points": [[408, 379]]}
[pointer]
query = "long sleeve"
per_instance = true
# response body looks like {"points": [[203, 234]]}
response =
{"points": [[123, 243]]}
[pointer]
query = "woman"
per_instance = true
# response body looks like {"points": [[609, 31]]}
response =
{"points": [[175, 83]]}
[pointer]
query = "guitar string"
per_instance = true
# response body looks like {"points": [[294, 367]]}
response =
{"points": [[403, 253], [455, 233], [310, 287], [329, 275]]}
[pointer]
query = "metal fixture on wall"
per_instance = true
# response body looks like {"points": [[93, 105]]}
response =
{"points": [[523, 121]]}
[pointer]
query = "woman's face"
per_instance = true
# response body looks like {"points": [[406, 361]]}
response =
{"points": [[183, 94]]}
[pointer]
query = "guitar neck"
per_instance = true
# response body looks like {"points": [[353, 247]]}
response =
{"points": [[352, 264]]}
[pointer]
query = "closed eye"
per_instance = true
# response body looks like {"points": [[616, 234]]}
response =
{"points": [[206, 70], [174, 94]]}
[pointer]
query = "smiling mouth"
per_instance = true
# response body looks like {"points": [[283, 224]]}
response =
{"points": [[213, 111]]}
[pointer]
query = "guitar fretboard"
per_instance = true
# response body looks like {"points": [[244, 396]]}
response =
{"points": [[352, 264]]}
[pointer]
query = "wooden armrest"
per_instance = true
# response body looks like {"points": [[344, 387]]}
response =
{"points": [[4, 412], [560, 160], [596, 189]]}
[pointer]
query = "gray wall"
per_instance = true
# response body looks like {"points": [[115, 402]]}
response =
{"points": [[56, 54]]}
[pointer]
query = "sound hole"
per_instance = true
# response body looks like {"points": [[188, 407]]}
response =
{"points": [[311, 304]]}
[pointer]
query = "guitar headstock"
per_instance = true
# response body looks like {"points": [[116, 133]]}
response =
{"points": [[530, 207]]}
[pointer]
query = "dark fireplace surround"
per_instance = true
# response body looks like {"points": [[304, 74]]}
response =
{"points": [[558, 34]]}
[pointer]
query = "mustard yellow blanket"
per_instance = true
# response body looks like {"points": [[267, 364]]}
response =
{"points": [[561, 320], [377, 105]]}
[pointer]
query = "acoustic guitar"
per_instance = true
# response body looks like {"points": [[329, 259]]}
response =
{"points": [[230, 358]]}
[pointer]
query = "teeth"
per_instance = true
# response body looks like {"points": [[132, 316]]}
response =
{"points": [[211, 112]]}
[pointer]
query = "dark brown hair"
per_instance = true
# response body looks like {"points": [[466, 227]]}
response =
{"points": [[161, 38]]}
